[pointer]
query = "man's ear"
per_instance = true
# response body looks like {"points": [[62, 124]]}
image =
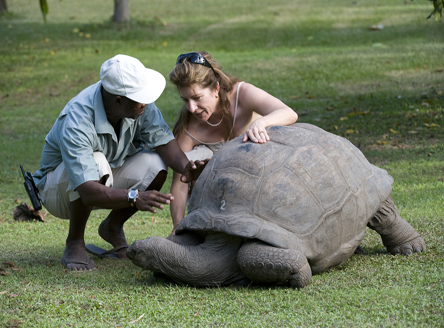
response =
{"points": [[118, 100]]}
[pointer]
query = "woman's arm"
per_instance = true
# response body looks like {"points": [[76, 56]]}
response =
{"points": [[178, 205], [179, 190], [272, 110]]}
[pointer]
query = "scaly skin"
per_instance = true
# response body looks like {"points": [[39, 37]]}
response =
{"points": [[267, 264], [397, 235]]}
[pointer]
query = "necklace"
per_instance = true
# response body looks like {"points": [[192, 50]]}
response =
{"points": [[216, 123]]}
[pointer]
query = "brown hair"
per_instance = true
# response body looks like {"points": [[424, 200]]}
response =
{"points": [[185, 74]]}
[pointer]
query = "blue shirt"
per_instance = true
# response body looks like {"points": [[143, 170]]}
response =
{"points": [[83, 128]]}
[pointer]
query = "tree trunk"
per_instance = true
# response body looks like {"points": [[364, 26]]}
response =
{"points": [[121, 11], [3, 6]]}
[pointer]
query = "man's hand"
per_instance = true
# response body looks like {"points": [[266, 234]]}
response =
{"points": [[149, 199], [193, 170]]}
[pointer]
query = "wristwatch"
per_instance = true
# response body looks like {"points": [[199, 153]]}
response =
{"points": [[133, 194]]}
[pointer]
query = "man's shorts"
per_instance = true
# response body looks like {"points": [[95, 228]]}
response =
{"points": [[137, 172]]}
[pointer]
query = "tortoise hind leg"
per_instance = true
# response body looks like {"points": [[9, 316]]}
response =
{"points": [[263, 263], [397, 235]]}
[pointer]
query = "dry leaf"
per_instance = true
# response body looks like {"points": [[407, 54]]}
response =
{"points": [[393, 131], [9, 264], [25, 212], [376, 27], [138, 318]]}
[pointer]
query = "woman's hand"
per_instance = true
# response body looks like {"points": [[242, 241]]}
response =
{"points": [[256, 133]]}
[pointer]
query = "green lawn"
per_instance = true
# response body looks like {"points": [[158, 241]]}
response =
{"points": [[382, 89]]}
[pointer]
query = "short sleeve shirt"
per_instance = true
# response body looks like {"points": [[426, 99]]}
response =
{"points": [[83, 128]]}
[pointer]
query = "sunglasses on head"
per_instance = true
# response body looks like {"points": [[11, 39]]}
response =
{"points": [[194, 58]]}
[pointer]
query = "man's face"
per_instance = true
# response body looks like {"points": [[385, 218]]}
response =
{"points": [[131, 108]]}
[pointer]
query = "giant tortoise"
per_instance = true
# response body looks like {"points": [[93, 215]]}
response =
{"points": [[279, 212]]}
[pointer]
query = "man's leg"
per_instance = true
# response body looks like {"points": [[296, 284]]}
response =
{"points": [[143, 171], [74, 256], [65, 203], [111, 229]]}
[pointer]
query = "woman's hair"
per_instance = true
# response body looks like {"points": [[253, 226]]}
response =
{"points": [[185, 74]]}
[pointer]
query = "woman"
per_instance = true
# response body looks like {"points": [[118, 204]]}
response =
{"points": [[217, 108]]}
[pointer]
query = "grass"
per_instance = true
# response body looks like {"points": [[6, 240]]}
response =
{"points": [[382, 89]]}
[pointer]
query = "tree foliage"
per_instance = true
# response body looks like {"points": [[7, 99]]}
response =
{"points": [[437, 4], [44, 9]]}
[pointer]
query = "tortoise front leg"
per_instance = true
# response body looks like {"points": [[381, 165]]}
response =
{"points": [[263, 263], [397, 235]]}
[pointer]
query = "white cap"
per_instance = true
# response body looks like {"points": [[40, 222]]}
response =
{"points": [[126, 76]]}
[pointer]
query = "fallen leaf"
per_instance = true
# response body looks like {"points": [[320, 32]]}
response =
{"points": [[13, 295], [393, 131], [3, 292], [349, 131], [9, 264], [380, 142], [138, 318], [343, 118], [431, 125], [376, 27]]}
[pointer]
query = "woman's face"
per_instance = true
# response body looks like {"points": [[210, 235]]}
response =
{"points": [[201, 102]]}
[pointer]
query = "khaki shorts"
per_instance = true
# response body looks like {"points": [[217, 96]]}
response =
{"points": [[137, 172]]}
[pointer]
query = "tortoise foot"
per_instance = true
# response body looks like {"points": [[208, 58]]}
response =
{"points": [[263, 263], [416, 245]]}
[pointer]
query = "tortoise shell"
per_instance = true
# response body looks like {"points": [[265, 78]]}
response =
{"points": [[305, 189]]}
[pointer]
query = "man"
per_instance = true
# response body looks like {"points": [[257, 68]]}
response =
{"points": [[96, 156]]}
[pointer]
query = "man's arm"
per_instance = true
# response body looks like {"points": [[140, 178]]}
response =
{"points": [[175, 158], [93, 193]]}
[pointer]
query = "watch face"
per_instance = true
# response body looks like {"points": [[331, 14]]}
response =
{"points": [[132, 193]]}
